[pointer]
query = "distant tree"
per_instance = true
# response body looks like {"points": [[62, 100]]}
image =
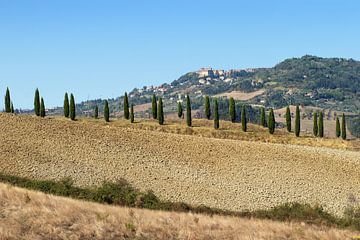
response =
{"points": [[42, 108], [126, 107], [7, 101], [297, 121], [12, 110], [132, 113], [96, 112], [262, 117], [188, 111], [338, 130], [216, 114], [160, 113], [72, 107], [180, 110], [288, 119], [321, 124], [207, 107], [232, 111], [271, 122], [66, 106], [315, 125], [243, 118], [154, 106], [37, 102], [106, 111], [343, 127]]}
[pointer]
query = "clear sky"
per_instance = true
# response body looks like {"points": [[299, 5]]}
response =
{"points": [[99, 49]]}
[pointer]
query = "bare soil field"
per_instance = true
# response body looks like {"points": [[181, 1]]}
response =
{"points": [[243, 96], [220, 173], [32, 215]]}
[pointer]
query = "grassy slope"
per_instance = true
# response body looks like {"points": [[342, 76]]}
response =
{"points": [[33, 215]]}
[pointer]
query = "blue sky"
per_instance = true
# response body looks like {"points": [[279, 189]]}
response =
{"points": [[99, 49]]}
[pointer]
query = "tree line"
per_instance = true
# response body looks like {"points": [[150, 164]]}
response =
{"points": [[157, 112]]}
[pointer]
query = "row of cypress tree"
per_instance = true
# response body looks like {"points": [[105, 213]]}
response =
{"points": [[39, 104], [69, 108]]}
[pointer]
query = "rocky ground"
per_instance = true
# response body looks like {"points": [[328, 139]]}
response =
{"points": [[227, 174]]}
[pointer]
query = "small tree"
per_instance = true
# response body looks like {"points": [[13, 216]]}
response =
{"points": [[338, 130], [106, 111], [154, 106], [288, 119], [37, 102], [12, 110], [315, 125], [188, 111], [343, 127], [297, 121], [126, 107], [180, 110], [207, 107], [72, 107], [243, 119], [96, 112], [66, 106], [232, 111], [7, 101], [262, 117], [321, 124], [216, 115], [42, 108], [271, 122], [132, 113], [160, 114]]}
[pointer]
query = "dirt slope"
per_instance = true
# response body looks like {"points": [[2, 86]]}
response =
{"points": [[227, 174], [31, 215]]}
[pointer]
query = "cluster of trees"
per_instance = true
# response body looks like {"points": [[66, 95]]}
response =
{"points": [[157, 110]]}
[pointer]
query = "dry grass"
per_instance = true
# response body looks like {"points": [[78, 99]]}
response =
{"points": [[243, 96], [32, 215]]}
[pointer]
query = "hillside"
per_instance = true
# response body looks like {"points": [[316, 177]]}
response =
{"points": [[26, 214], [221, 173], [325, 83]]}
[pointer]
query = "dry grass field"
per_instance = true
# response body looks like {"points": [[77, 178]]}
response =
{"points": [[196, 166], [243, 96], [32, 215]]}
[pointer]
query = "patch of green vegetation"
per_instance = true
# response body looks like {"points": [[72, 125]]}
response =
{"points": [[123, 194]]}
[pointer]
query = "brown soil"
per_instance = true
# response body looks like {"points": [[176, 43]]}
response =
{"points": [[221, 173]]}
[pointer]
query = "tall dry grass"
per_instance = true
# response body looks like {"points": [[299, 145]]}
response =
{"points": [[31, 215]]}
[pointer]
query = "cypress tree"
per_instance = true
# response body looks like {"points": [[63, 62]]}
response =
{"points": [[262, 117], [106, 111], [343, 127], [315, 125], [7, 101], [288, 119], [338, 130], [126, 106], [12, 110], [160, 113], [207, 107], [297, 121], [271, 122], [216, 114], [37, 102], [132, 113], [72, 107], [188, 111], [66, 106], [42, 108], [180, 110], [96, 112], [232, 111], [154, 107], [243, 119], [321, 124]]}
